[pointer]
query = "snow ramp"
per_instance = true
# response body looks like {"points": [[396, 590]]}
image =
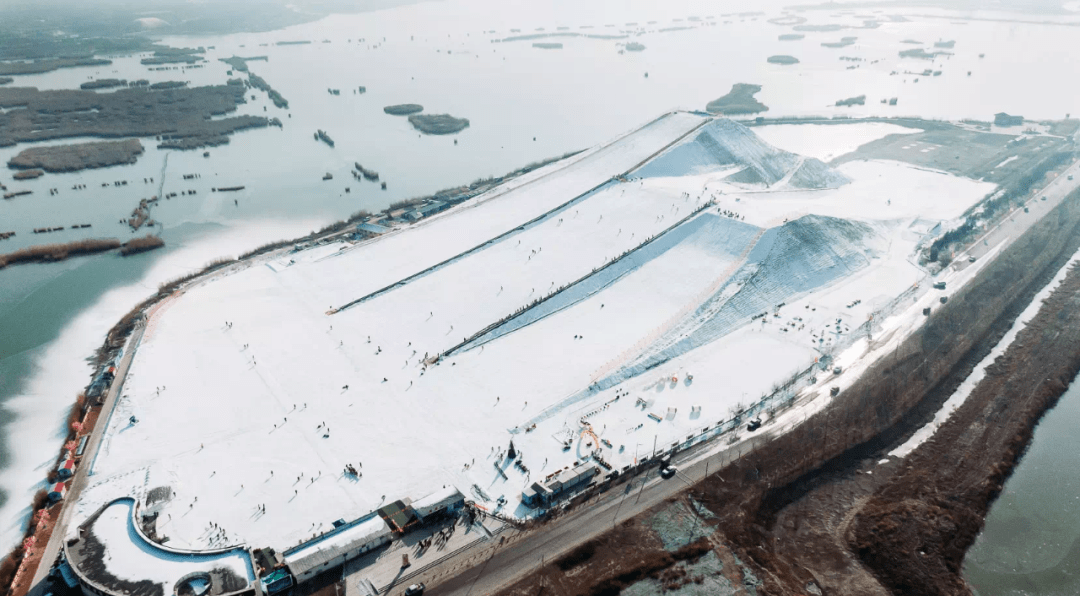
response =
{"points": [[724, 144], [788, 261], [710, 234]]}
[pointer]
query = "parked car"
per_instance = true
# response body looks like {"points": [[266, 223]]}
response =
{"points": [[414, 590], [668, 472]]}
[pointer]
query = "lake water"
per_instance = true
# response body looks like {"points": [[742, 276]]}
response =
{"points": [[1031, 542], [524, 103]]}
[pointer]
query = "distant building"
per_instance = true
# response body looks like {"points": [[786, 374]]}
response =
{"points": [[399, 515], [559, 484], [337, 547], [444, 502], [371, 229], [1003, 119], [427, 210]]}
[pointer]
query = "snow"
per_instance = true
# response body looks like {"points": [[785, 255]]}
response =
{"points": [[251, 390], [1007, 160], [129, 556], [827, 141]]}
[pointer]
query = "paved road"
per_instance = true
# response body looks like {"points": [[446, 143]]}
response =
{"points": [[82, 473], [512, 554]]}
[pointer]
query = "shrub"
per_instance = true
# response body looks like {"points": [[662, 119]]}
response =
{"points": [[58, 252], [148, 242]]}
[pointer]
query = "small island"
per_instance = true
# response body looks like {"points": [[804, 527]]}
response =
{"points": [[791, 36], [403, 109], [635, 47], [852, 101], [168, 85], [138, 245], [259, 83], [818, 28], [126, 112], [843, 43], [919, 53], [947, 45], [103, 84], [48, 65], [240, 62], [787, 20], [166, 55], [72, 158], [740, 100], [547, 45], [438, 124], [783, 59]]}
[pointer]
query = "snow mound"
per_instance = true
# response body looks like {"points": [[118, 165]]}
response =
{"points": [[813, 173], [710, 234], [788, 261], [724, 144]]}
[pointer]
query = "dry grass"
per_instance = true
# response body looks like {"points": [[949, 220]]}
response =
{"points": [[138, 245], [8, 567], [58, 252]]}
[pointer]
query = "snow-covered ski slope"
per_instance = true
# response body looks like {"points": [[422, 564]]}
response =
{"points": [[589, 280]]}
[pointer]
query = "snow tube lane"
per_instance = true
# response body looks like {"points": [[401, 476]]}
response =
{"points": [[713, 234], [799, 257]]}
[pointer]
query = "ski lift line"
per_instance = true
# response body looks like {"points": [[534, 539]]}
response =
{"points": [[522, 227], [464, 345]]}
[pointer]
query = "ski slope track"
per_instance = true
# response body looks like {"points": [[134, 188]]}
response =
{"points": [[626, 297]]}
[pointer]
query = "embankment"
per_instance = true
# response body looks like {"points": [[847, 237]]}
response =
{"points": [[938, 503], [817, 468]]}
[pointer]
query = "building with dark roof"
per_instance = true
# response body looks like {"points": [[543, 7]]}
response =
{"points": [[399, 515]]}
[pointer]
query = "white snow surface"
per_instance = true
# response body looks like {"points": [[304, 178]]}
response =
{"points": [[269, 409], [129, 556], [827, 141]]}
